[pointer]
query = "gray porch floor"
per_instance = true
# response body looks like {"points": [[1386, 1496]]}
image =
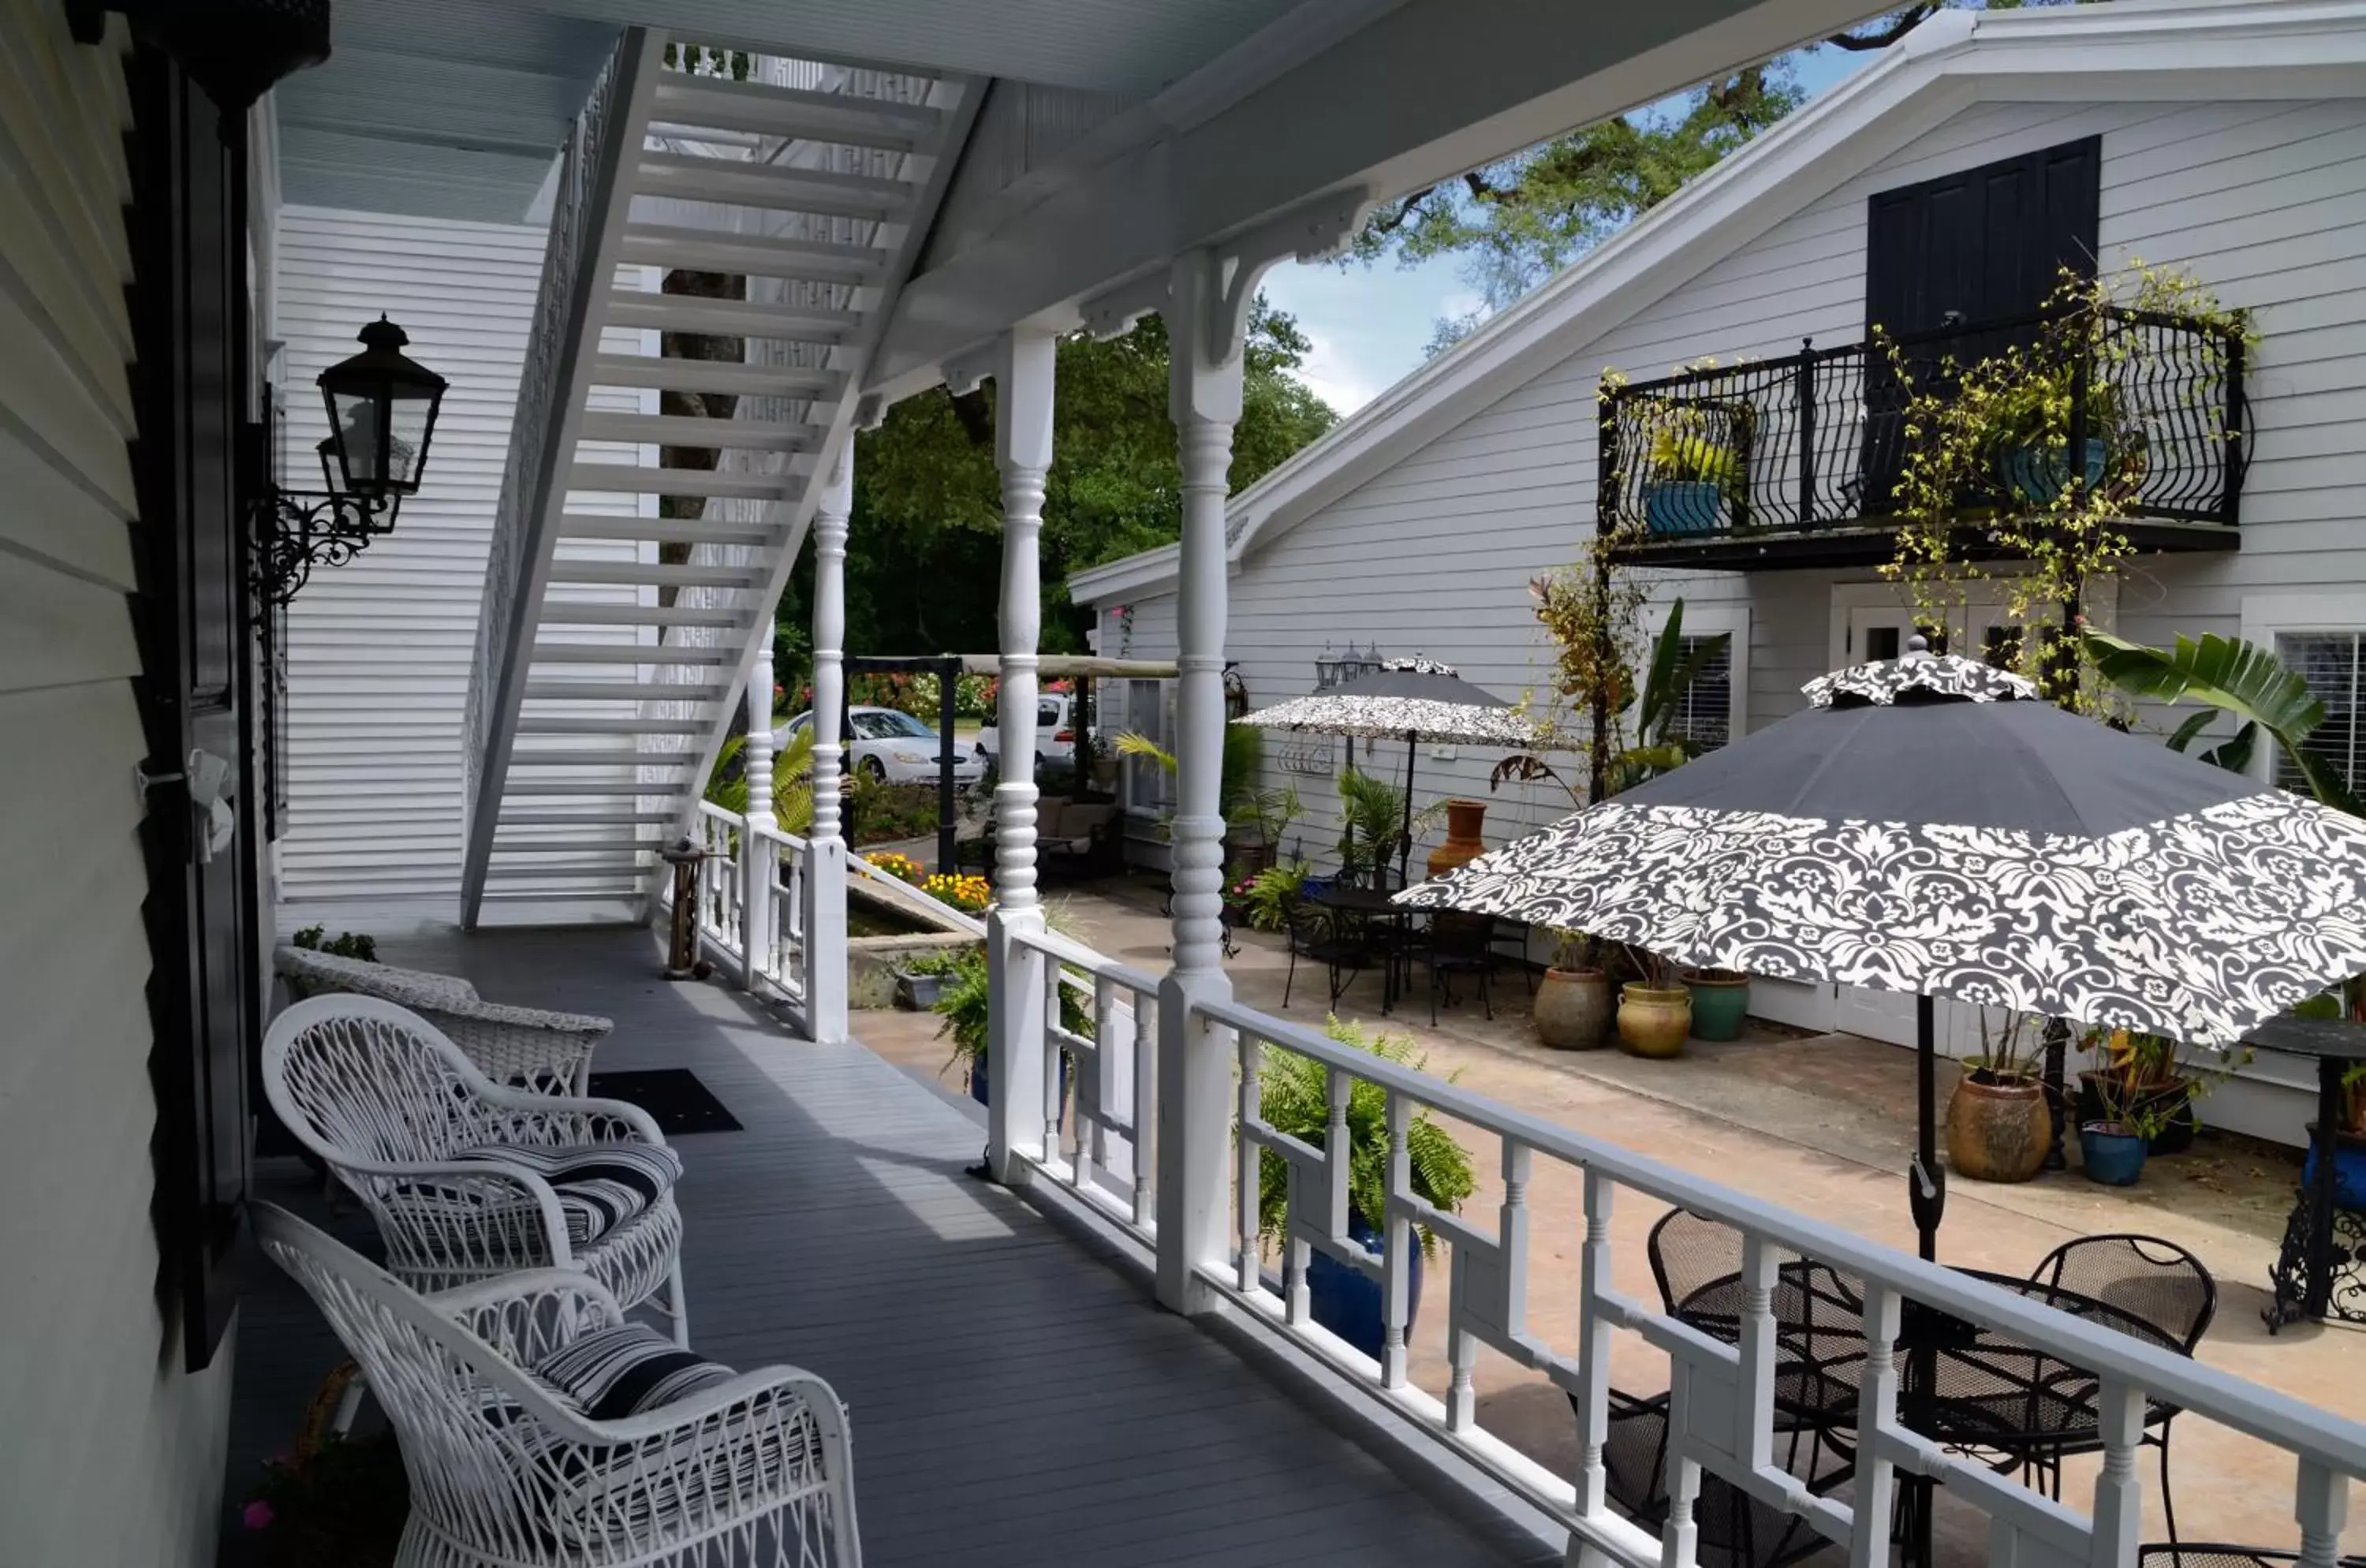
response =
{"points": [[1014, 1400]]}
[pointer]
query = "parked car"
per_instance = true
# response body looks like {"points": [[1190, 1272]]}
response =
{"points": [[1056, 735], [891, 746]]}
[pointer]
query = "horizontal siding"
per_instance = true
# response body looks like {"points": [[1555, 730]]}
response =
{"points": [[120, 1454], [379, 651]]}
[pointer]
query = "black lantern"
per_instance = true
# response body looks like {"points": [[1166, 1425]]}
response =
{"points": [[1326, 668], [382, 409], [381, 412]]}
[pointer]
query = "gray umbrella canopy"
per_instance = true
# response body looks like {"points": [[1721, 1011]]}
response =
{"points": [[1406, 699], [1927, 827]]}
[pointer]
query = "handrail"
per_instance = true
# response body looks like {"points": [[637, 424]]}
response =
{"points": [[2218, 1396], [1099, 965]]}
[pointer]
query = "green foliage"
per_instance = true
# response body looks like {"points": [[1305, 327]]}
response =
{"points": [[344, 944], [1371, 821], [964, 1002], [928, 512], [1249, 805], [1593, 657], [883, 813], [1266, 897], [1293, 1098], [726, 786], [1684, 452], [2240, 679]]}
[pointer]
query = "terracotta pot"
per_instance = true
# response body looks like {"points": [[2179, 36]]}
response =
{"points": [[1997, 1132], [1653, 1022], [1464, 821], [1572, 1008]]}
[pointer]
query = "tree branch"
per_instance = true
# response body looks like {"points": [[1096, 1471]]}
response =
{"points": [[1905, 22]]}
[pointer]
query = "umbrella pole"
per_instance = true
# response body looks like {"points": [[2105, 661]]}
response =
{"points": [[1404, 843], [1926, 1194]]}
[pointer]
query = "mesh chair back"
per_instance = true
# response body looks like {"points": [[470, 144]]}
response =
{"points": [[355, 1078], [2218, 1554], [1690, 1252], [2156, 1282]]}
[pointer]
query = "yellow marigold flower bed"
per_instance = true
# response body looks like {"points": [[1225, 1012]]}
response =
{"points": [[895, 865], [968, 893]]}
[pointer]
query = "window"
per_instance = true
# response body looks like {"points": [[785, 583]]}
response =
{"points": [[2334, 665], [1049, 713], [1704, 713], [886, 723]]}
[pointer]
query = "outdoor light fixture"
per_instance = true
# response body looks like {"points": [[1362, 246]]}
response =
{"points": [[1326, 668], [382, 408], [236, 50]]}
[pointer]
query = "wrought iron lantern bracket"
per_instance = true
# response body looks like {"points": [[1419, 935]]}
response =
{"points": [[293, 531]]}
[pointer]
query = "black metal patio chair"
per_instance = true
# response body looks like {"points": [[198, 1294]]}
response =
{"points": [[2219, 1555], [1459, 944], [1316, 936], [1735, 1529]]}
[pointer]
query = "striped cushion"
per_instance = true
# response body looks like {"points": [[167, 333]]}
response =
{"points": [[610, 1373], [599, 1186]]}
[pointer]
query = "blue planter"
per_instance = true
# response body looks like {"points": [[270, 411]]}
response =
{"points": [[2113, 1159], [1349, 1302], [1682, 506], [2348, 1176], [2035, 475], [981, 1093]]}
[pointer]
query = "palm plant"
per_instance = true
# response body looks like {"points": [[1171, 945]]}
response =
{"points": [[726, 786], [1248, 804], [1371, 806], [2237, 678]]}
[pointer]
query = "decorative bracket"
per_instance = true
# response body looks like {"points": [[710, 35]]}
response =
{"points": [[1120, 309], [1312, 231], [965, 373], [295, 532]]}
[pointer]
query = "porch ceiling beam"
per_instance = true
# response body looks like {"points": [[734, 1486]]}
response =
{"points": [[1424, 91]]}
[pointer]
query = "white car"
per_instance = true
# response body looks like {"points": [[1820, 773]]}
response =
{"points": [[891, 746], [1056, 735]]}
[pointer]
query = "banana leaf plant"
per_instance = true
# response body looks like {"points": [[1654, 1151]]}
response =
{"points": [[2239, 679]]}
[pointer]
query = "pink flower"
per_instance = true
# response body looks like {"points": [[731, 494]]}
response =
{"points": [[257, 1515]]}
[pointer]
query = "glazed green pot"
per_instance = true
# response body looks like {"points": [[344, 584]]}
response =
{"points": [[1719, 1005]]}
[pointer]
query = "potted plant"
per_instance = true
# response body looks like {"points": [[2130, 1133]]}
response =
{"points": [[341, 1500], [920, 978], [1721, 1000], [1655, 1014], [1997, 1124], [2113, 1145], [2146, 1068], [1264, 900], [1293, 1098], [964, 1002], [1689, 474], [2028, 431], [1372, 825], [1572, 1006]]}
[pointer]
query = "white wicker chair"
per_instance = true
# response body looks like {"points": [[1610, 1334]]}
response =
{"points": [[420, 1133], [527, 1046], [505, 1473]]}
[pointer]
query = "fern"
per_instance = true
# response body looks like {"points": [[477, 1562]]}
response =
{"points": [[1293, 1098], [792, 782]]}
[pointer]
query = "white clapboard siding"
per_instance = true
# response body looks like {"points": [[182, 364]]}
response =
{"points": [[378, 650], [117, 1454], [2265, 202]]}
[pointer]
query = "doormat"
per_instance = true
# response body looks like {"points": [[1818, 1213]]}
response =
{"points": [[673, 1094]]}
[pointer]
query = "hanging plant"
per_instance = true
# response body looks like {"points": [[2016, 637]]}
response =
{"points": [[1991, 470]]}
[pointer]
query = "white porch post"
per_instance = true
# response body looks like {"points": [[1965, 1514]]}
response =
{"points": [[758, 938], [1022, 371], [824, 881], [1194, 1059]]}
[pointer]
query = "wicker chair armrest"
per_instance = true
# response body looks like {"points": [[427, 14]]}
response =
{"points": [[399, 1184], [502, 1013], [521, 1116], [779, 1395], [529, 1314]]}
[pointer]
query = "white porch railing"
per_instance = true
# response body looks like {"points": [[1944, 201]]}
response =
{"points": [[776, 938], [1722, 1419], [721, 882]]}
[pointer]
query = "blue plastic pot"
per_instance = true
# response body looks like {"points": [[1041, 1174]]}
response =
{"points": [[2035, 475], [1682, 506], [2112, 1158], [1348, 1302], [2348, 1176]]}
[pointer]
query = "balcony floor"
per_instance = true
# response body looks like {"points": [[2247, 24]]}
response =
{"points": [[1014, 1399]]}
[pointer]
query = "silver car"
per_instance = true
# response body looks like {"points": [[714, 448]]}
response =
{"points": [[891, 746]]}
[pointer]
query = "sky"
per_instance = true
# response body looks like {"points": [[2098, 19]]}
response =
{"points": [[1368, 324]]}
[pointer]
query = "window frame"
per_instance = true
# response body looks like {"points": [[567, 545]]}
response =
{"points": [[1730, 620], [2267, 616]]}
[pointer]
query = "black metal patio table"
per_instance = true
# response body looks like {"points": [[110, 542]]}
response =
{"points": [[1372, 906], [2320, 1271]]}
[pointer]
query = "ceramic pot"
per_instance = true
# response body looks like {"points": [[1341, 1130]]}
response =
{"points": [[1653, 1022], [1998, 1130], [2172, 1101], [1464, 819], [2114, 1155], [1720, 1002], [1681, 506], [1572, 1008], [2035, 475]]}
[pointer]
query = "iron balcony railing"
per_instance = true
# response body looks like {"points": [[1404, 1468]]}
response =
{"points": [[1818, 440]]}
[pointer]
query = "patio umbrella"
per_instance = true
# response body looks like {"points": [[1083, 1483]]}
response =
{"points": [[1928, 825], [1417, 698]]}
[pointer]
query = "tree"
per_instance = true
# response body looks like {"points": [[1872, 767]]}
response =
{"points": [[924, 546], [1516, 221]]}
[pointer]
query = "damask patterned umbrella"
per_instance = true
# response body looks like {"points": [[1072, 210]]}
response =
{"points": [[1928, 825], [1417, 699]]}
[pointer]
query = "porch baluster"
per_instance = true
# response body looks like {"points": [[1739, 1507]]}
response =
{"points": [[1016, 1129], [825, 871], [760, 947]]}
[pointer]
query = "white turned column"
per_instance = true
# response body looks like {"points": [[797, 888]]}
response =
{"points": [[757, 929], [1195, 1060], [825, 878], [1015, 1054]]}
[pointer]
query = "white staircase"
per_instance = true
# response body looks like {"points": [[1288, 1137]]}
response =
{"points": [[624, 599]]}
